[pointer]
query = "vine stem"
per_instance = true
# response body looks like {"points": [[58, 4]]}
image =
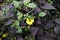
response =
{"points": [[29, 12]]}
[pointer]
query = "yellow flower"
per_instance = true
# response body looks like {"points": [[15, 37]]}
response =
{"points": [[29, 21], [4, 35]]}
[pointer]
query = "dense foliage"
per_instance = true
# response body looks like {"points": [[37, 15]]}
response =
{"points": [[29, 20]]}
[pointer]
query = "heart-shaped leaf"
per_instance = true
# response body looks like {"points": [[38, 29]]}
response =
{"points": [[31, 5], [47, 6], [57, 20], [19, 30], [9, 22], [19, 15], [17, 23], [42, 14], [16, 3], [26, 1], [57, 29], [34, 30]]}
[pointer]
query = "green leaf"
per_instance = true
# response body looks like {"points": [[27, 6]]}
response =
{"points": [[19, 15], [5, 10], [26, 1], [31, 5], [0, 33], [42, 14], [17, 23], [49, 0], [30, 16], [27, 28], [16, 3], [12, 25], [19, 30]]}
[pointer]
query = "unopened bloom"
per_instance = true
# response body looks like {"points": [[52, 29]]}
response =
{"points": [[4, 35]]}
